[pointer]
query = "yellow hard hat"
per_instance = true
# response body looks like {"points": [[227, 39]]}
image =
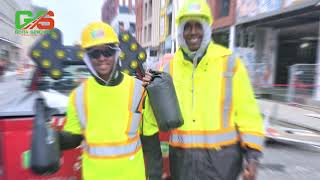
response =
{"points": [[195, 8], [98, 33]]}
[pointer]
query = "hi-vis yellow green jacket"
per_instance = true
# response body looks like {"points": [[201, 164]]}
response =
{"points": [[108, 119], [216, 100]]}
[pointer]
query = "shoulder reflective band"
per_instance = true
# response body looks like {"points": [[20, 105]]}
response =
{"points": [[137, 94], [81, 104], [227, 105], [114, 151], [135, 97], [204, 139], [168, 68]]}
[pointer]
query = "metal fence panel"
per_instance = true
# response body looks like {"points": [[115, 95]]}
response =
{"points": [[302, 82]]}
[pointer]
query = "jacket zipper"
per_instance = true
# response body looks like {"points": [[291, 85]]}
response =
{"points": [[195, 62]]}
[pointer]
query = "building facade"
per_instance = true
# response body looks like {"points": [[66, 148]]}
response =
{"points": [[139, 20], [160, 16], [223, 12], [10, 43], [275, 31], [281, 34], [13, 47], [268, 35], [120, 14], [148, 26]]}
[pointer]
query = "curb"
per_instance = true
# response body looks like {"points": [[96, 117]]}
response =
{"points": [[298, 125]]}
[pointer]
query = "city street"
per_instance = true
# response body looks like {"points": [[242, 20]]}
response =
{"points": [[212, 49], [10, 88], [285, 161], [280, 162]]}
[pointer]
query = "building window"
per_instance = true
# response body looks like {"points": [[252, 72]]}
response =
{"points": [[121, 27], [132, 28], [145, 11], [153, 53], [245, 42], [221, 38], [149, 33], [245, 38], [4, 54], [150, 8], [224, 8], [238, 39], [124, 10], [163, 4], [145, 34], [170, 23]]}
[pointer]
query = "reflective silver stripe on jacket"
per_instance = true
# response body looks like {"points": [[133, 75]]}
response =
{"points": [[253, 139], [228, 91], [80, 105], [132, 133], [207, 139], [136, 117], [137, 93], [167, 68], [114, 150]]}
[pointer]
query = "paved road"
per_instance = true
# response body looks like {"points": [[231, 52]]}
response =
{"points": [[290, 162], [280, 162], [291, 114]]}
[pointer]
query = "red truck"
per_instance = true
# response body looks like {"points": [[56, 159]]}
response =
{"points": [[16, 133]]}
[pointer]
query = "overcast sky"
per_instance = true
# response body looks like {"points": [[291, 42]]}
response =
{"points": [[71, 16]]}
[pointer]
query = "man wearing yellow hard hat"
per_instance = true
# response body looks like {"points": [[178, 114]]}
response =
{"points": [[222, 122], [105, 113]]}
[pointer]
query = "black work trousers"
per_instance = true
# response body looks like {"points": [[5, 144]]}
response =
{"points": [[206, 164]]}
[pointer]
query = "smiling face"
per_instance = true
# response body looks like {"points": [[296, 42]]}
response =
{"points": [[193, 35], [103, 60]]}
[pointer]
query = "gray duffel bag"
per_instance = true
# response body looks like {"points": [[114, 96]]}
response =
{"points": [[164, 102]]}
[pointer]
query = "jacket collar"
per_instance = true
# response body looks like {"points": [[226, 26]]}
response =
{"points": [[212, 52], [116, 79]]}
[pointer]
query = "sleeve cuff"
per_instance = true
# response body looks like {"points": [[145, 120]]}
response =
{"points": [[252, 140], [253, 154]]}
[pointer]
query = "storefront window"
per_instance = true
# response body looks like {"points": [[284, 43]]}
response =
{"points": [[221, 38]]}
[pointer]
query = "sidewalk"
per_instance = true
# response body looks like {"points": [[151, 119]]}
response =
{"points": [[290, 114]]}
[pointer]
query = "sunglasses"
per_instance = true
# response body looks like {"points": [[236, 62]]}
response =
{"points": [[96, 53]]}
